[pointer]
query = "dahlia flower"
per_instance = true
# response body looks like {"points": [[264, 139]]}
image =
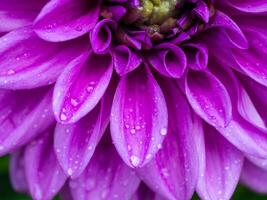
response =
{"points": [[134, 99]]}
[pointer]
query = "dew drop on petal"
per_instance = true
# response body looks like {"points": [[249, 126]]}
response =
{"points": [[163, 131], [63, 117], [135, 160], [70, 171]]}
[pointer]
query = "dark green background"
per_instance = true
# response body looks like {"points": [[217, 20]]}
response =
{"points": [[6, 192]]}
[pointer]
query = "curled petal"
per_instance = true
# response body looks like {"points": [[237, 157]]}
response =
{"points": [[209, 98], [125, 59], [138, 118], [117, 12], [106, 177], [24, 115], [27, 61], [101, 36], [173, 171], [168, 59], [254, 177], [222, 167], [75, 143], [81, 85], [197, 55], [44, 175], [202, 10], [17, 172], [68, 19]]}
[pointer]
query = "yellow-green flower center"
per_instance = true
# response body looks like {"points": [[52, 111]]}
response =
{"points": [[157, 11]]}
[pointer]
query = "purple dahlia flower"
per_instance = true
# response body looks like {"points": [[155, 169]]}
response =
{"points": [[134, 99]]}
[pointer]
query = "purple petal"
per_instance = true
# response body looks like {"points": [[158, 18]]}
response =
{"points": [[15, 13], [253, 60], [173, 171], [44, 175], [125, 59], [232, 32], [168, 59], [240, 131], [254, 177], [106, 177], [22, 66], [81, 85], [75, 143], [251, 6], [139, 117], [197, 55], [62, 20], [222, 167], [24, 115], [209, 98], [17, 172], [101, 36]]}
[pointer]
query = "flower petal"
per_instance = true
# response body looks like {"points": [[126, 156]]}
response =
{"points": [[22, 66], [173, 172], [106, 177], [230, 30], [197, 55], [254, 177], [64, 20], [15, 13], [250, 6], [101, 36], [17, 172], [81, 85], [252, 60], [125, 59], [241, 130], [44, 175], [209, 98], [138, 118], [168, 59], [24, 115], [223, 165], [75, 143]]}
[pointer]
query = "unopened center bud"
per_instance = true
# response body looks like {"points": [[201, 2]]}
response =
{"points": [[157, 11]]}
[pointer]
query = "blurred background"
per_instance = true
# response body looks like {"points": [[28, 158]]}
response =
{"points": [[7, 193]]}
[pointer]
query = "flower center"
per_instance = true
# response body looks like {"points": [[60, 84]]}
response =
{"points": [[157, 11]]}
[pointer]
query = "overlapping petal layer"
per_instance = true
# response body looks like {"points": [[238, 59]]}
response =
{"points": [[186, 100]]}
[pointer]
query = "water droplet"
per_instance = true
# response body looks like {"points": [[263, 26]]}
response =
{"points": [[132, 131], [159, 146], [10, 72], [74, 102], [90, 88], [63, 117], [69, 171], [163, 131], [135, 160]]}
